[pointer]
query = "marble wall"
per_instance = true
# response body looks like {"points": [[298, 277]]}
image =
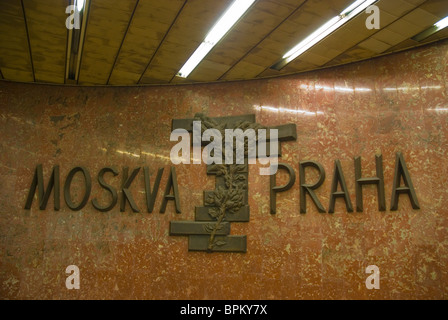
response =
{"points": [[396, 103]]}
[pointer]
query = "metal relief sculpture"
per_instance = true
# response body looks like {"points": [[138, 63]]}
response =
{"points": [[228, 202]]}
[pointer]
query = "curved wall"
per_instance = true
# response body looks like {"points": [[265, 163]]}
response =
{"points": [[396, 103]]}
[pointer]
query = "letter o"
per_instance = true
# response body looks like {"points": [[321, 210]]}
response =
{"points": [[68, 182]]}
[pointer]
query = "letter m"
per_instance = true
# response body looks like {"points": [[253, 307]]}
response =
{"points": [[240, 136], [44, 195]]}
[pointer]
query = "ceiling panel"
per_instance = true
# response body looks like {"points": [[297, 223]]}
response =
{"points": [[151, 21], [48, 38], [107, 24], [15, 60], [138, 42]]}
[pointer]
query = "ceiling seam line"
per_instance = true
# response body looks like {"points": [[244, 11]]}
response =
{"points": [[66, 48], [83, 42], [264, 38], [29, 42], [161, 41], [122, 41]]}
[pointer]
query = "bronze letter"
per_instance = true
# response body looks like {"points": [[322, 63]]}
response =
{"points": [[378, 180], [171, 183], [108, 187], [88, 185], [274, 189], [43, 195], [125, 193], [402, 171], [339, 178], [308, 188], [151, 196]]}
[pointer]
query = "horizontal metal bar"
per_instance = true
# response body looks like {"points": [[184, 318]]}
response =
{"points": [[201, 214], [222, 243], [179, 228]]}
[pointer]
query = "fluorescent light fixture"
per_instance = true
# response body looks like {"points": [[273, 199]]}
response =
{"points": [[75, 41], [442, 23], [195, 59], [352, 7], [79, 4], [311, 40], [219, 30], [327, 28], [439, 25]]}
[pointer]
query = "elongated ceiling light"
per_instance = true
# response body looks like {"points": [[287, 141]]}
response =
{"points": [[442, 24], [327, 28], [219, 30], [75, 39], [79, 4]]}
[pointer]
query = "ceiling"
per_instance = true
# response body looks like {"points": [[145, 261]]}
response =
{"points": [[133, 42]]}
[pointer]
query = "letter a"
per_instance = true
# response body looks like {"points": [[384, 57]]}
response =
{"points": [[373, 281], [373, 21], [73, 17], [183, 146], [401, 172], [72, 281]]}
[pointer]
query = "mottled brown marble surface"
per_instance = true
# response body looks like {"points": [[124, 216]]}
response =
{"points": [[396, 103]]}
